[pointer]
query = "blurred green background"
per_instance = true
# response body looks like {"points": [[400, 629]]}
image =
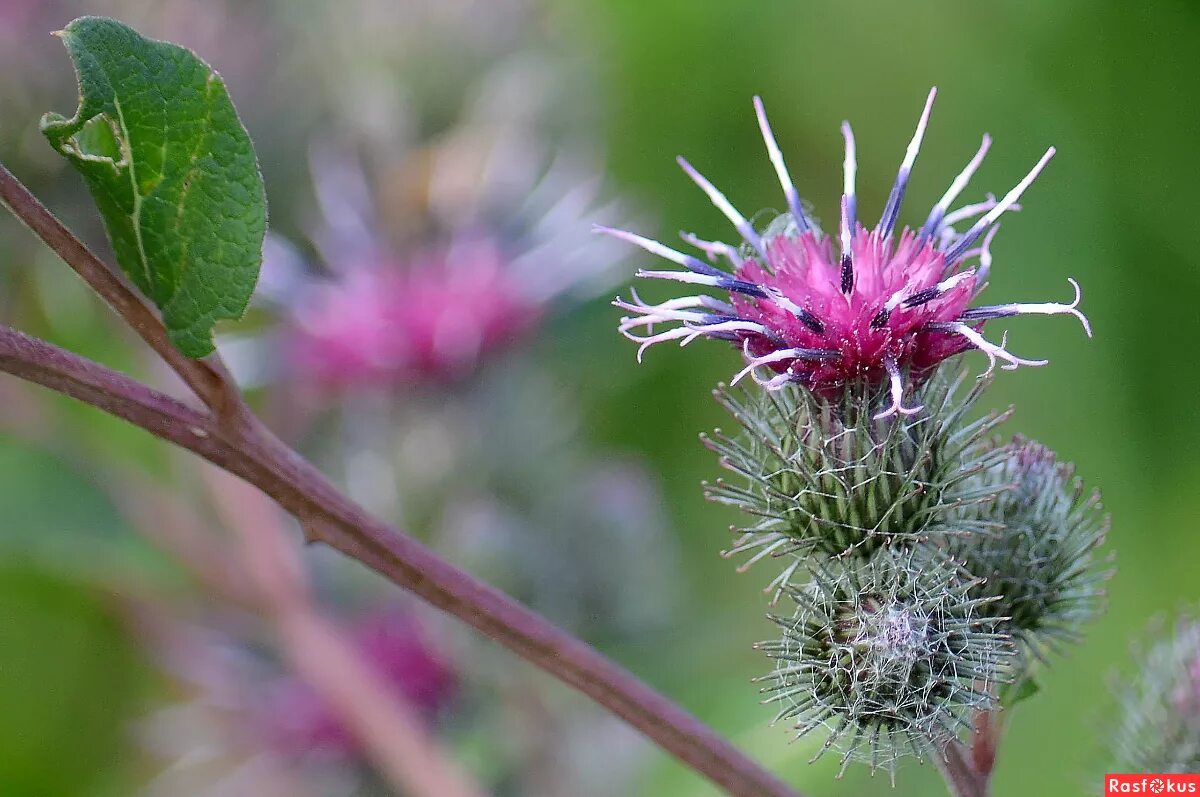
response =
{"points": [[1108, 83]]}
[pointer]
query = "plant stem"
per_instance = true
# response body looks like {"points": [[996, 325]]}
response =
{"points": [[387, 724], [986, 729], [260, 459], [961, 778], [236, 440], [259, 569], [208, 380]]}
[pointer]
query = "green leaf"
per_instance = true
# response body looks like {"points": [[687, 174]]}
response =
{"points": [[172, 170], [1013, 693]]}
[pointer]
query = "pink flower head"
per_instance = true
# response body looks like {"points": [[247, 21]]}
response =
{"points": [[432, 320], [382, 307], [299, 722], [866, 308], [1187, 691]]}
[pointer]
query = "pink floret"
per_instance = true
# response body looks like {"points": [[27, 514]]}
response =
{"points": [[808, 272], [867, 307], [432, 320]]}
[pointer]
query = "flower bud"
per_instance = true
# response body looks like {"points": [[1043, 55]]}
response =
{"points": [[1037, 556], [1158, 728], [889, 654]]}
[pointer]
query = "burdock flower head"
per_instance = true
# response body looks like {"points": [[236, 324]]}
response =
{"points": [[891, 656], [434, 250], [431, 319], [1038, 558], [865, 309], [1158, 726], [385, 308]]}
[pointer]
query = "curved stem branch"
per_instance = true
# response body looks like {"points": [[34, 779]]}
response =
{"points": [[207, 379], [387, 725], [253, 453], [235, 439], [259, 569]]}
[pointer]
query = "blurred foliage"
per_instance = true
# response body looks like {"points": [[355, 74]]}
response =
{"points": [[1103, 81], [71, 678]]}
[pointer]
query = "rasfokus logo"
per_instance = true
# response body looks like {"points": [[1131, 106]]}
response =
{"points": [[1151, 784]]}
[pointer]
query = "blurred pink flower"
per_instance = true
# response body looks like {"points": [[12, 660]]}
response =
{"points": [[863, 309], [430, 321], [1187, 692], [435, 304], [297, 722]]}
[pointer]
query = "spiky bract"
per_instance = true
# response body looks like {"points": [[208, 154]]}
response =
{"points": [[830, 479], [1159, 723], [1038, 556], [889, 654]]}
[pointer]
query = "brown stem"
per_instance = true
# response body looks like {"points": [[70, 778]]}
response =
{"points": [[251, 452], [985, 741], [236, 440], [207, 379], [388, 726], [961, 778], [264, 574]]}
